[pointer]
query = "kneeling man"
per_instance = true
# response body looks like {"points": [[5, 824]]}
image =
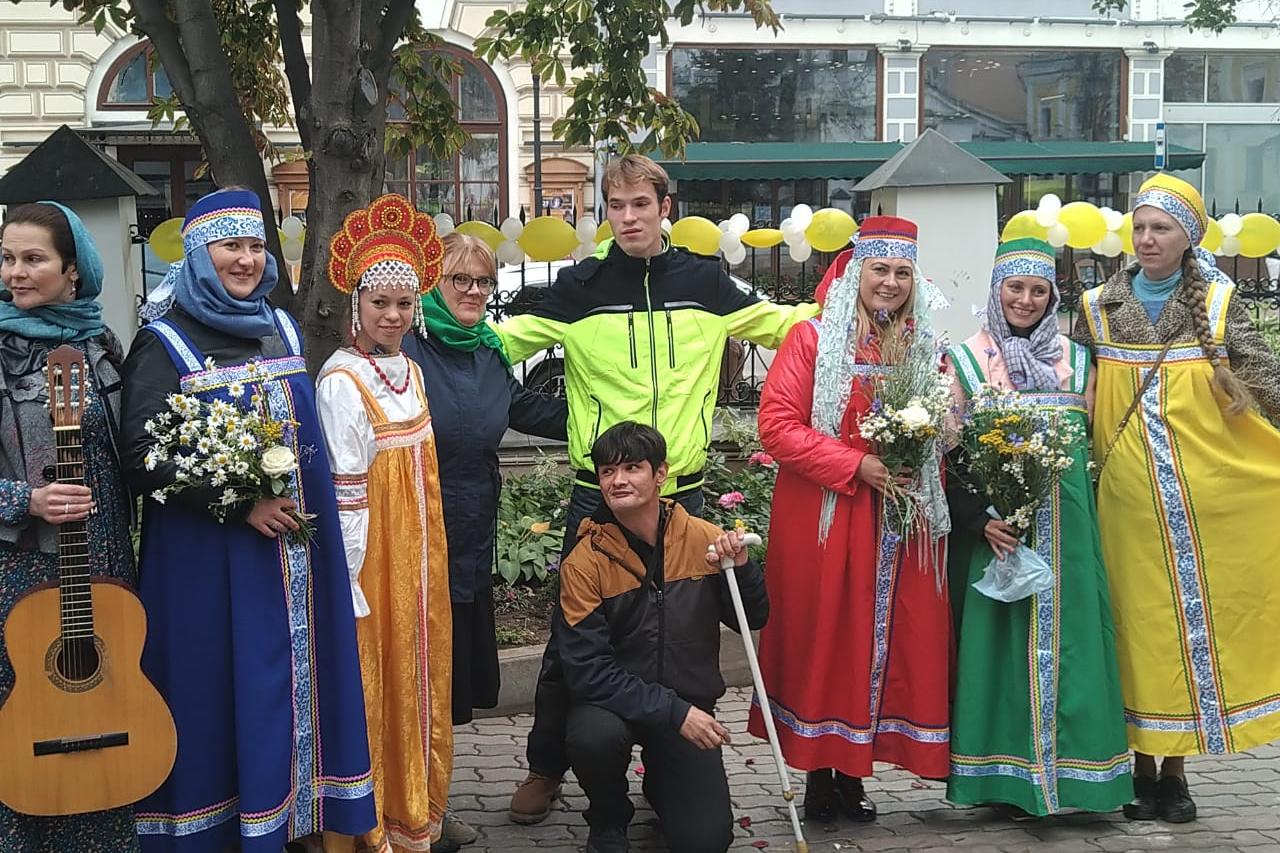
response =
{"points": [[642, 601]]}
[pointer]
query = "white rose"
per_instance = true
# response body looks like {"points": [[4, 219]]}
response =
{"points": [[278, 461], [915, 417]]}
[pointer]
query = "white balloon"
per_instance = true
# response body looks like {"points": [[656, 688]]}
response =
{"points": [[739, 224], [1058, 235], [1049, 201], [788, 224], [666, 225], [444, 224], [802, 216], [723, 225], [737, 256], [1231, 225], [1110, 245], [510, 252], [1230, 246], [581, 252], [291, 226], [800, 252], [728, 241], [292, 250], [586, 229], [511, 228], [794, 238], [1046, 218], [1113, 218]]}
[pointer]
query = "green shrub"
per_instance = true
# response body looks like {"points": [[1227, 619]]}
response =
{"points": [[531, 516], [741, 492]]}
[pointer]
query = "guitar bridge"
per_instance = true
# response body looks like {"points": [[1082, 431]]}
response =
{"points": [[60, 746]]}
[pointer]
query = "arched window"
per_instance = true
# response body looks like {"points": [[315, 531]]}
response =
{"points": [[469, 185], [134, 80]]}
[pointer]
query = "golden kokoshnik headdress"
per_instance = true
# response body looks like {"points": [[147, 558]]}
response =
{"points": [[387, 244]]}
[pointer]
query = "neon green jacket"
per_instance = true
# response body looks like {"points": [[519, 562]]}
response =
{"points": [[643, 340]]}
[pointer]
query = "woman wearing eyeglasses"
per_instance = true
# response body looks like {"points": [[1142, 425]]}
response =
{"points": [[474, 400]]}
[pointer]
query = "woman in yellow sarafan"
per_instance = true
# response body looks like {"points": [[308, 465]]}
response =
{"points": [[1188, 394], [382, 453]]}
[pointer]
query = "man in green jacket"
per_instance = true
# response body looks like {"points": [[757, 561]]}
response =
{"points": [[643, 326]]}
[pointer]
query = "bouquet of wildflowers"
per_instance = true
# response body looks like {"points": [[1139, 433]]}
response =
{"points": [[235, 446], [910, 403], [1015, 454]]}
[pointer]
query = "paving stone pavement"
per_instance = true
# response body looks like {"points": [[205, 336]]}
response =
{"points": [[1238, 798]]}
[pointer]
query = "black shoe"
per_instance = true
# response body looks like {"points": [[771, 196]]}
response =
{"points": [[1174, 802], [857, 806], [607, 839], [1145, 805], [821, 802]]}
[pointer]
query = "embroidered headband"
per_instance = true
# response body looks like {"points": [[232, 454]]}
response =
{"points": [[1177, 198], [221, 215], [389, 229], [1024, 256], [886, 237], [393, 274]]}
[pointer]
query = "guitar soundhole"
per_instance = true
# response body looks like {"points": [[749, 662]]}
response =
{"points": [[75, 665]]}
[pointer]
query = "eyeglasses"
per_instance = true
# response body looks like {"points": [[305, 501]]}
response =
{"points": [[462, 283]]}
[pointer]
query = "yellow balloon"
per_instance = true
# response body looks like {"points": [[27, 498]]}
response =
{"points": [[698, 235], [1023, 225], [604, 232], [762, 238], [1259, 235], [1126, 234], [166, 240], [830, 229], [1085, 224], [482, 231], [548, 238], [1212, 236]]}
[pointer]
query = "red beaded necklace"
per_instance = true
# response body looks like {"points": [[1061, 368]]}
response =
{"points": [[373, 362]]}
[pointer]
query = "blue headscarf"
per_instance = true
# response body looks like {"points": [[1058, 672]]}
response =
{"points": [[193, 284], [77, 320]]}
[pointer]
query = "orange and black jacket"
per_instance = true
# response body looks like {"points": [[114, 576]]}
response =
{"points": [[639, 627]]}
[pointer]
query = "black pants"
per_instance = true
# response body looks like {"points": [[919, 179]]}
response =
{"points": [[545, 749], [685, 785]]}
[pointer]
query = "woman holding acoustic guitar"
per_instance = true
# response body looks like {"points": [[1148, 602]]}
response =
{"points": [[52, 273], [251, 635]]}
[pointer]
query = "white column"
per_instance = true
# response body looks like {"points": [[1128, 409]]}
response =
{"points": [[1146, 93], [900, 91]]}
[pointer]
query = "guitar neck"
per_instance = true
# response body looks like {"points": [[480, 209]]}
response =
{"points": [[73, 543]]}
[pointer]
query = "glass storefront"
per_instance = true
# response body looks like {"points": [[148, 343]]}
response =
{"points": [[782, 95], [1240, 161], [1223, 78], [999, 95]]}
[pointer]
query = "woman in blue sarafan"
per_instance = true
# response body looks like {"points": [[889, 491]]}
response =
{"points": [[251, 636]]}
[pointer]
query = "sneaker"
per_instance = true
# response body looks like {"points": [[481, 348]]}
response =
{"points": [[1145, 805], [531, 803], [1173, 800], [457, 831], [857, 806], [821, 802], [607, 839]]}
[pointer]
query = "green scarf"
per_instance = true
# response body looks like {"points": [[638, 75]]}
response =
{"points": [[444, 327]]}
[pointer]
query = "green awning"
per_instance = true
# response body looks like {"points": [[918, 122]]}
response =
{"points": [[762, 161]]}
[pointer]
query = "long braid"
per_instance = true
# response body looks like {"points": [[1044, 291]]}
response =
{"points": [[1196, 293]]}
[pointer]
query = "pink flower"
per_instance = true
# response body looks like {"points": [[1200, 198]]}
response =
{"points": [[761, 458], [729, 500]]}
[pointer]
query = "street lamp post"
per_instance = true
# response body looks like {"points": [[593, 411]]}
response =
{"points": [[537, 146]]}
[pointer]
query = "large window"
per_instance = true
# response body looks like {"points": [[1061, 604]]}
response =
{"points": [[783, 95], [134, 80], [1223, 78], [470, 184], [1023, 95], [1240, 160]]}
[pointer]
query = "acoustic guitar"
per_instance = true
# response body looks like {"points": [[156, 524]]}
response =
{"points": [[83, 729]]}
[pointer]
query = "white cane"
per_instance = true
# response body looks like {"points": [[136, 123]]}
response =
{"points": [[789, 795]]}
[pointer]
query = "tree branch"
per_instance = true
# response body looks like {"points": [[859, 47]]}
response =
{"points": [[296, 67], [163, 33], [390, 31]]}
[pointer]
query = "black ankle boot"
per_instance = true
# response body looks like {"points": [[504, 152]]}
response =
{"points": [[1174, 802], [857, 806], [821, 802], [1145, 805]]}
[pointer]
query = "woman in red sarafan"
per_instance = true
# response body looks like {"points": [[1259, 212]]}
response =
{"points": [[857, 651]]}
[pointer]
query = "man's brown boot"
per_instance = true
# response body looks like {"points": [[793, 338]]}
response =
{"points": [[531, 803]]}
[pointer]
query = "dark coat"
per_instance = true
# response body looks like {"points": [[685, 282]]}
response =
{"points": [[473, 399]]}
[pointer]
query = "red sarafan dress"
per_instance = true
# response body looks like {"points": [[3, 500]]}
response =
{"points": [[857, 652]]}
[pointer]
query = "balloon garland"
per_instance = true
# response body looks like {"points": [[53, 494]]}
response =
{"points": [[1108, 232]]}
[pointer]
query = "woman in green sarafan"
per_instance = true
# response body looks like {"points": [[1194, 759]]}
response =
{"points": [[1038, 720]]}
